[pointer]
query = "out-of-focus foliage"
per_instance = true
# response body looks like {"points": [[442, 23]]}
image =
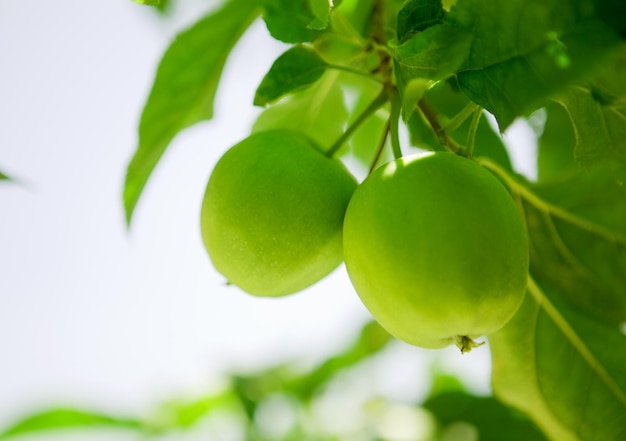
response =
{"points": [[283, 403]]}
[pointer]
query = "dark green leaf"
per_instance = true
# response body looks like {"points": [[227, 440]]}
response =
{"points": [[4, 177], [295, 69], [319, 112], [612, 12], [66, 419], [164, 5], [600, 127], [493, 420], [523, 52], [418, 15], [290, 20], [184, 88], [598, 114], [434, 53]]}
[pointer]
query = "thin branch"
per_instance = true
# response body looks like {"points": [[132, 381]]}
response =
{"points": [[381, 146], [460, 117], [396, 107], [433, 120], [376, 104]]}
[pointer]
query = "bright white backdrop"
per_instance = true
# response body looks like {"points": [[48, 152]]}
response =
{"points": [[92, 314]]}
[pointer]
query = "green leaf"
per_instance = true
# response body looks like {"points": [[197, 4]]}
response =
{"points": [[164, 5], [600, 127], [579, 241], [561, 358], [184, 88], [321, 11], [556, 145], [295, 69], [161, 5], [418, 15], [4, 177], [434, 53], [489, 417], [523, 52], [66, 419], [371, 339], [598, 114], [290, 20], [319, 112], [177, 414], [149, 2], [358, 14], [563, 368]]}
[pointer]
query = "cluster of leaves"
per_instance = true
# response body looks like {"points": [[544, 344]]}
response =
{"points": [[245, 399], [359, 68]]}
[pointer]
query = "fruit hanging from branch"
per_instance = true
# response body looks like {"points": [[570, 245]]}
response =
{"points": [[436, 249], [273, 212]]}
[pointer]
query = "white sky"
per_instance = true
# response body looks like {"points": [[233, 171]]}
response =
{"points": [[91, 314]]}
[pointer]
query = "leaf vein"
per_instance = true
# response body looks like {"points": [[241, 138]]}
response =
{"points": [[575, 340]]}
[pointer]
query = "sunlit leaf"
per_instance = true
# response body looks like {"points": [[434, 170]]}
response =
{"points": [[321, 11], [561, 358], [295, 69], [66, 419], [563, 368], [184, 88], [176, 414], [319, 112], [149, 2]]}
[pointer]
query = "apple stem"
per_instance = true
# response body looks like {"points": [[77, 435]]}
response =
{"points": [[466, 344], [396, 106], [381, 146], [471, 134]]}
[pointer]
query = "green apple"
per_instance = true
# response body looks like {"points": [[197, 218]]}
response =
{"points": [[273, 211], [436, 250]]}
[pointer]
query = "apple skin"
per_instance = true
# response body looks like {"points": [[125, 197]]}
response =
{"points": [[436, 250], [272, 213]]}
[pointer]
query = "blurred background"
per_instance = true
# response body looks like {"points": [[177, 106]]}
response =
{"points": [[117, 322]]}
